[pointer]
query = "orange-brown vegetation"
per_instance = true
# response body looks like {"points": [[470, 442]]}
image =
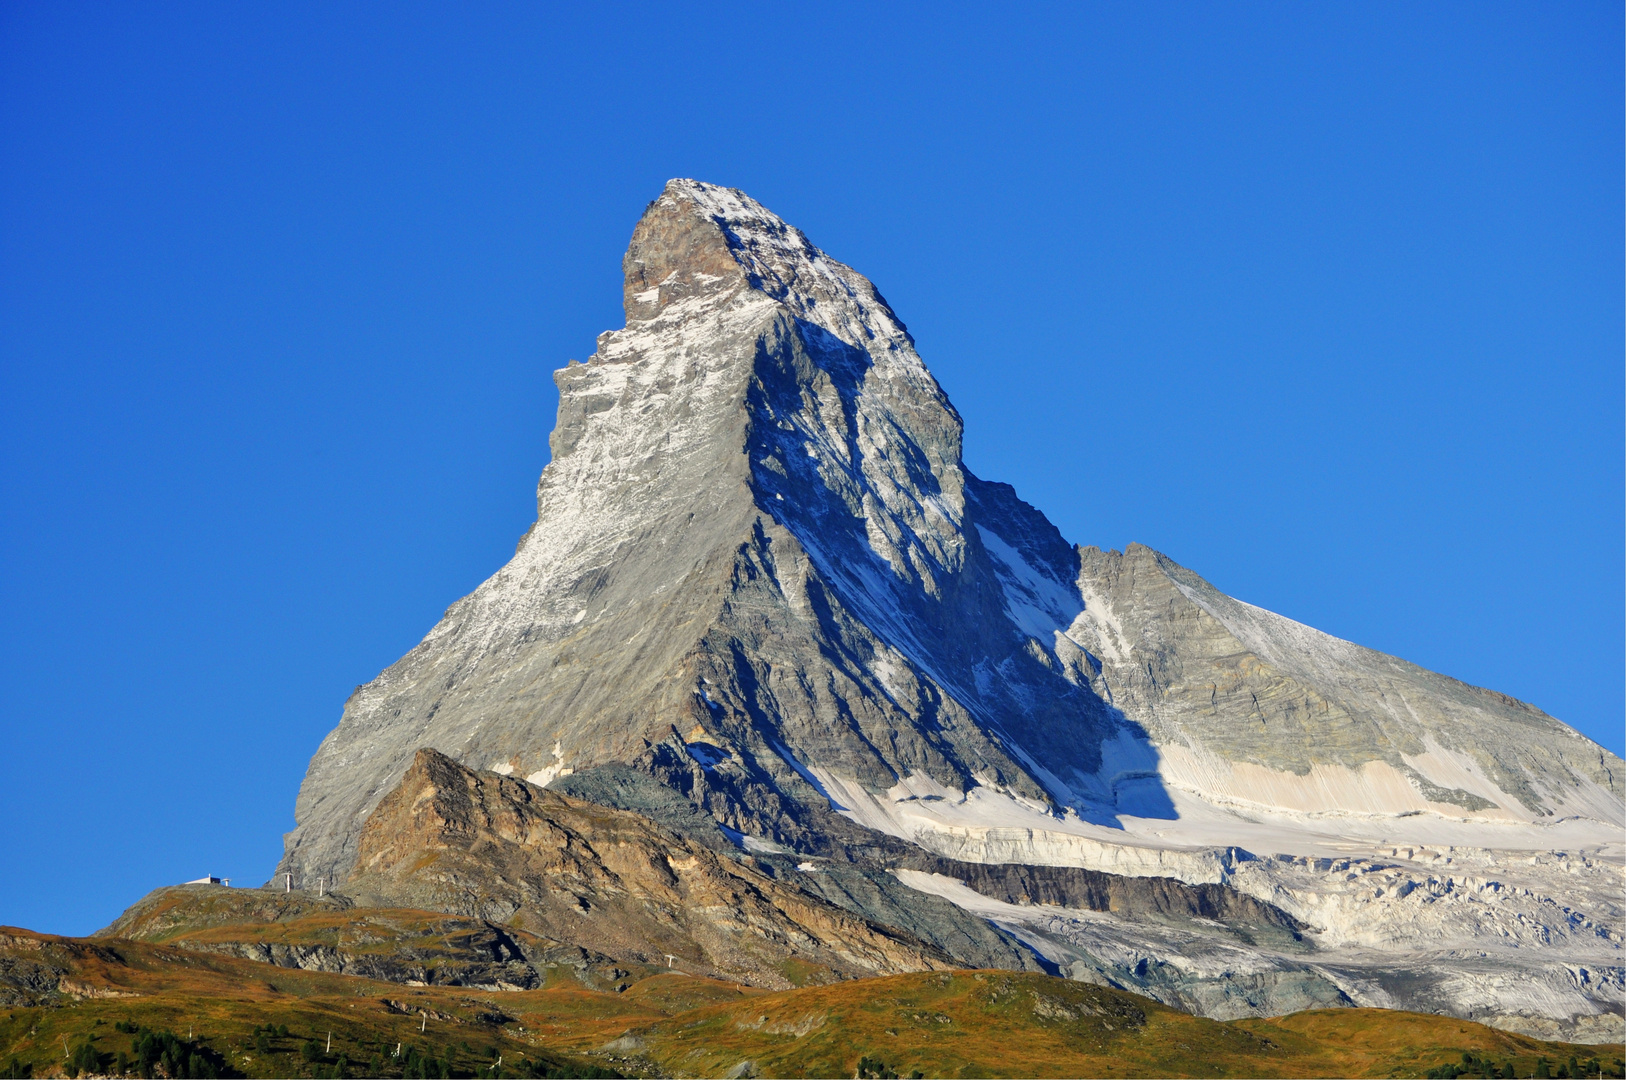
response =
{"points": [[982, 1023], [999, 1023]]}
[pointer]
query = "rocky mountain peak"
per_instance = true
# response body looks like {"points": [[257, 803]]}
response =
{"points": [[743, 328], [763, 583], [701, 242], [678, 251]]}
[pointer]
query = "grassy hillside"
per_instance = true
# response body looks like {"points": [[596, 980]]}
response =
{"points": [[396, 945], [998, 1023], [73, 1001], [61, 994]]}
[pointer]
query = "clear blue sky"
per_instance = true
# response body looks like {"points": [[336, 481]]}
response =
{"points": [[1322, 300]]}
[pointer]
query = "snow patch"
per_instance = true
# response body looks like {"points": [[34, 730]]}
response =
{"points": [[1098, 623], [807, 774], [754, 844], [708, 756], [1036, 603], [1375, 788], [1451, 769], [888, 667], [547, 774]]}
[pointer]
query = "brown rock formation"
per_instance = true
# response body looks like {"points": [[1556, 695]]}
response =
{"points": [[489, 846]]}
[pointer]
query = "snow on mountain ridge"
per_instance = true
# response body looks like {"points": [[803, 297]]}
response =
{"points": [[782, 263]]}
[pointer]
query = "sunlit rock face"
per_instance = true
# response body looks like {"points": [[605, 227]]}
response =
{"points": [[762, 577]]}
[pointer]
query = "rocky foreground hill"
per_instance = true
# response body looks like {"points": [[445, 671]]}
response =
{"points": [[777, 689]]}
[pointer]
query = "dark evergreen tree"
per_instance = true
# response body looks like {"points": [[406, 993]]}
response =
{"points": [[84, 1059]]}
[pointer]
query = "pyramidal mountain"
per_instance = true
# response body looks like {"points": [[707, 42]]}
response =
{"points": [[767, 611]]}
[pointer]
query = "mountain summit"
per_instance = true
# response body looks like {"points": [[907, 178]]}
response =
{"points": [[763, 581], [757, 556]]}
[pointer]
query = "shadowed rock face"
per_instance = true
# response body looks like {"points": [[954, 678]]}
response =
{"points": [[490, 847], [762, 577]]}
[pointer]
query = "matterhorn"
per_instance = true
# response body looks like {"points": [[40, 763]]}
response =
{"points": [[769, 631]]}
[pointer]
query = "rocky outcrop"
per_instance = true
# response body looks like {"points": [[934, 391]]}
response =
{"points": [[174, 911], [863, 886], [41, 969], [491, 847], [1134, 898], [331, 933]]}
